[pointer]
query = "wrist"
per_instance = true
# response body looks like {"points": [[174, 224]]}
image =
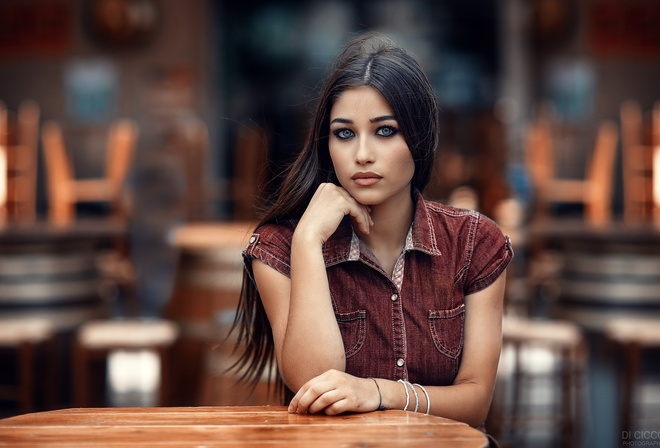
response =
{"points": [[380, 406], [305, 239]]}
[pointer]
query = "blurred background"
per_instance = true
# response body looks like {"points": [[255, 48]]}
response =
{"points": [[139, 139]]}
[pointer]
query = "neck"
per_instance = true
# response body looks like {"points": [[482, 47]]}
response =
{"points": [[387, 237]]}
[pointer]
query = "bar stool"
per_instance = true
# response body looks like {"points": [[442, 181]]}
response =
{"points": [[511, 413], [96, 339], [27, 336], [631, 336]]}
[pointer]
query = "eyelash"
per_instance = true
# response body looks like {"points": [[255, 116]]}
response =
{"points": [[393, 131]]}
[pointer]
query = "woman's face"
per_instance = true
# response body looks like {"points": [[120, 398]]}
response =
{"points": [[369, 154]]}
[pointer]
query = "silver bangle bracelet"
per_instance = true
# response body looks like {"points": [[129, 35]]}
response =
{"points": [[405, 387], [428, 399], [416, 396]]}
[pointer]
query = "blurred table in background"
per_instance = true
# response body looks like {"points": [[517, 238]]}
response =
{"points": [[604, 273], [52, 271]]}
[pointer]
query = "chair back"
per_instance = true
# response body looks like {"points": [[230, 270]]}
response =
{"points": [[59, 173], [26, 161], [631, 125], [122, 140], [600, 173], [538, 153]]}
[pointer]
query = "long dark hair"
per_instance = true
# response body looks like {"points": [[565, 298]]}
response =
{"points": [[369, 60]]}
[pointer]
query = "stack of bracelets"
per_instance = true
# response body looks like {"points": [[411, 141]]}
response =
{"points": [[406, 385]]}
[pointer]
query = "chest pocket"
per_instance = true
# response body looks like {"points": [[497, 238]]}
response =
{"points": [[447, 330], [353, 330]]}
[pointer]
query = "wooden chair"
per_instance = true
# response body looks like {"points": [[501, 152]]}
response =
{"points": [[594, 191], [514, 414], [30, 337], [65, 190], [637, 154], [19, 135], [631, 337]]}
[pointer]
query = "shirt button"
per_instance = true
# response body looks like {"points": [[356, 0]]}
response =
{"points": [[394, 297], [253, 239], [400, 362]]}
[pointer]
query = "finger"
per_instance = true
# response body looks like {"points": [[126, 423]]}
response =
{"points": [[293, 404], [362, 218], [314, 398], [323, 401], [302, 398], [337, 407], [360, 213]]}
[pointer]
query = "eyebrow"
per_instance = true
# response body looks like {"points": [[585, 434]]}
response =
{"points": [[372, 120]]}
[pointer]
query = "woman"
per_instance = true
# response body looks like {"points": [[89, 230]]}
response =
{"points": [[366, 295]]}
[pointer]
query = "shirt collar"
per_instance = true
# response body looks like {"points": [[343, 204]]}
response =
{"points": [[344, 244], [423, 231]]}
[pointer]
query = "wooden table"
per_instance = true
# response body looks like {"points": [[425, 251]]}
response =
{"points": [[232, 426]]}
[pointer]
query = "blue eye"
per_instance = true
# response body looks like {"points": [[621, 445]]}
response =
{"points": [[343, 133], [387, 131]]}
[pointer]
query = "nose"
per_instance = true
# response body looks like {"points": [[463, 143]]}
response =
{"points": [[365, 153]]}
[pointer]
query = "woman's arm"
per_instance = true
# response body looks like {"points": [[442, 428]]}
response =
{"points": [[305, 332], [467, 400]]}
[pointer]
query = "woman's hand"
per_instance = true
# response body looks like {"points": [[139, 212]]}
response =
{"points": [[334, 392], [327, 208]]}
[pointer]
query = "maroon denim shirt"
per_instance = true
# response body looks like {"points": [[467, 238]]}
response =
{"points": [[409, 326]]}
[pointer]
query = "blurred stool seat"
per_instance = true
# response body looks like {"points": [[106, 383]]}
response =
{"points": [[26, 336], [631, 336], [550, 350], [96, 339]]}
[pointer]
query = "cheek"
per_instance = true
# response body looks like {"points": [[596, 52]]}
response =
{"points": [[337, 160], [405, 162]]}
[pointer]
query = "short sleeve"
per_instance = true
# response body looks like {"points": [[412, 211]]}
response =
{"points": [[271, 244], [491, 254]]}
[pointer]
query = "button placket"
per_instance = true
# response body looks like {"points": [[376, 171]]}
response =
{"points": [[399, 332]]}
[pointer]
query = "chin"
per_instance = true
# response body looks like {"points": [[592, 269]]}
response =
{"points": [[365, 197]]}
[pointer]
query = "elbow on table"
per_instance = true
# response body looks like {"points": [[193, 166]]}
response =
{"points": [[478, 405], [478, 418]]}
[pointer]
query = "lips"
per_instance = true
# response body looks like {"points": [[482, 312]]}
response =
{"points": [[366, 179]]}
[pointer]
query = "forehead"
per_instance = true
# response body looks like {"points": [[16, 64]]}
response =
{"points": [[359, 101]]}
